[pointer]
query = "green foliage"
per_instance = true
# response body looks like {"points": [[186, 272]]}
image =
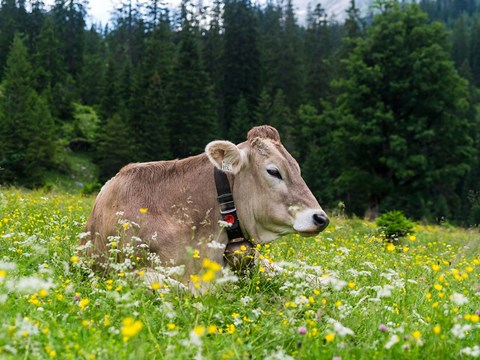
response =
{"points": [[394, 225], [258, 317], [392, 148], [27, 130]]}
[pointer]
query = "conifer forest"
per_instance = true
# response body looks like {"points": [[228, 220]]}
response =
{"points": [[381, 108]]}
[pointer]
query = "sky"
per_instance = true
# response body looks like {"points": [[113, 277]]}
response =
{"points": [[100, 10]]}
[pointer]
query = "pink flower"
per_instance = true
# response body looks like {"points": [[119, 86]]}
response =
{"points": [[302, 330], [477, 312], [383, 328], [337, 358]]}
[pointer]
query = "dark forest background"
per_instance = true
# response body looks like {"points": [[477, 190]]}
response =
{"points": [[381, 110]]}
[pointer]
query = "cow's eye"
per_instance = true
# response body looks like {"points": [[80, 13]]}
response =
{"points": [[275, 173]]}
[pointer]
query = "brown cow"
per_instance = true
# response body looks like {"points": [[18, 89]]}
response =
{"points": [[171, 206]]}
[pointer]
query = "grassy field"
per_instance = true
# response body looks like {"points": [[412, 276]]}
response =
{"points": [[344, 294]]}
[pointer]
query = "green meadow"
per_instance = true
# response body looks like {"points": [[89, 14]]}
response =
{"points": [[346, 293]]}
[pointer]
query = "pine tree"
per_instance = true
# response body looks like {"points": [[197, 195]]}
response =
{"points": [[149, 109], [475, 49], [193, 120], [114, 147], [8, 26], [93, 71], [318, 50], [27, 145], [241, 122], [460, 42], [241, 57], [400, 134]]}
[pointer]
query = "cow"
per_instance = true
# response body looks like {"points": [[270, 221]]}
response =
{"points": [[171, 207]]}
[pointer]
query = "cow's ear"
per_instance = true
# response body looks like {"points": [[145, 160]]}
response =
{"points": [[226, 156]]}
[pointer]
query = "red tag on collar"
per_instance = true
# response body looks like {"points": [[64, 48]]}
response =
{"points": [[229, 219]]}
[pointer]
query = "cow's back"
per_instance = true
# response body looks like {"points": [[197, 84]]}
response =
{"points": [[159, 198]]}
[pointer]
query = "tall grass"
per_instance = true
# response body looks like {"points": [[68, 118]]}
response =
{"points": [[345, 293]]}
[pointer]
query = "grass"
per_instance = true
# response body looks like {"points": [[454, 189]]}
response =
{"points": [[345, 293]]}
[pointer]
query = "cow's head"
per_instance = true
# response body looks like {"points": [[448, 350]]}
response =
{"points": [[271, 197]]}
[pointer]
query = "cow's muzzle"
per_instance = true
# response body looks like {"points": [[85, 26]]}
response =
{"points": [[321, 220]]}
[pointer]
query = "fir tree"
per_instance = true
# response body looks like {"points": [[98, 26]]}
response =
{"points": [[193, 120], [27, 145]]}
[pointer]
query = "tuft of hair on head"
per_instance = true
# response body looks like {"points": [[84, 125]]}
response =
{"points": [[263, 132]]}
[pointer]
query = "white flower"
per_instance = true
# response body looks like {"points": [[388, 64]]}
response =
{"points": [[341, 330], [215, 245], [459, 299], [460, 331], [393, 340], [7, 266], [224, 224], [31, 284], [279, 355], [246, 300], [474, 352], [385, 291]]}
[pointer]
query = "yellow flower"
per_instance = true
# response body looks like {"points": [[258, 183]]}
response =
{"points": [[143, 210], [106, 320], [412, 238], [230, 329], [437, 329], [43, 293], [199, 330], [438, 287], [3, 273], [155, 286], [435, 267], [130, 328], [196, 254], [417, 334], [83, 303], [211, 265], [74, 259], [171, 326], [351, 285], [338, 303], [391, 247], [475, 318], [208, 276], [329, 337], [428, 296], [126, 226], [212, 329], [405, 249]]}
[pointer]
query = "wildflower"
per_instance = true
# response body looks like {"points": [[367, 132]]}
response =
{"points": [[329, 337], [438, 287], [417, 334], [230, 329], [83, 303], [199, 330], [211, 329], [471, 351], [460, 331], [155, 286], [383, 328], [435, 267], [196, 254], [437, 329], [391, 247], [475, 318], [393, 340], [459, 299], [130, 328], [74, 259], [412, 238], [143, 210], [171, 326], [302, 330]]}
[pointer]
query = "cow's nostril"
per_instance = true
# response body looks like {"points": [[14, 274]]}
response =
{"points": [[321, 221]]}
